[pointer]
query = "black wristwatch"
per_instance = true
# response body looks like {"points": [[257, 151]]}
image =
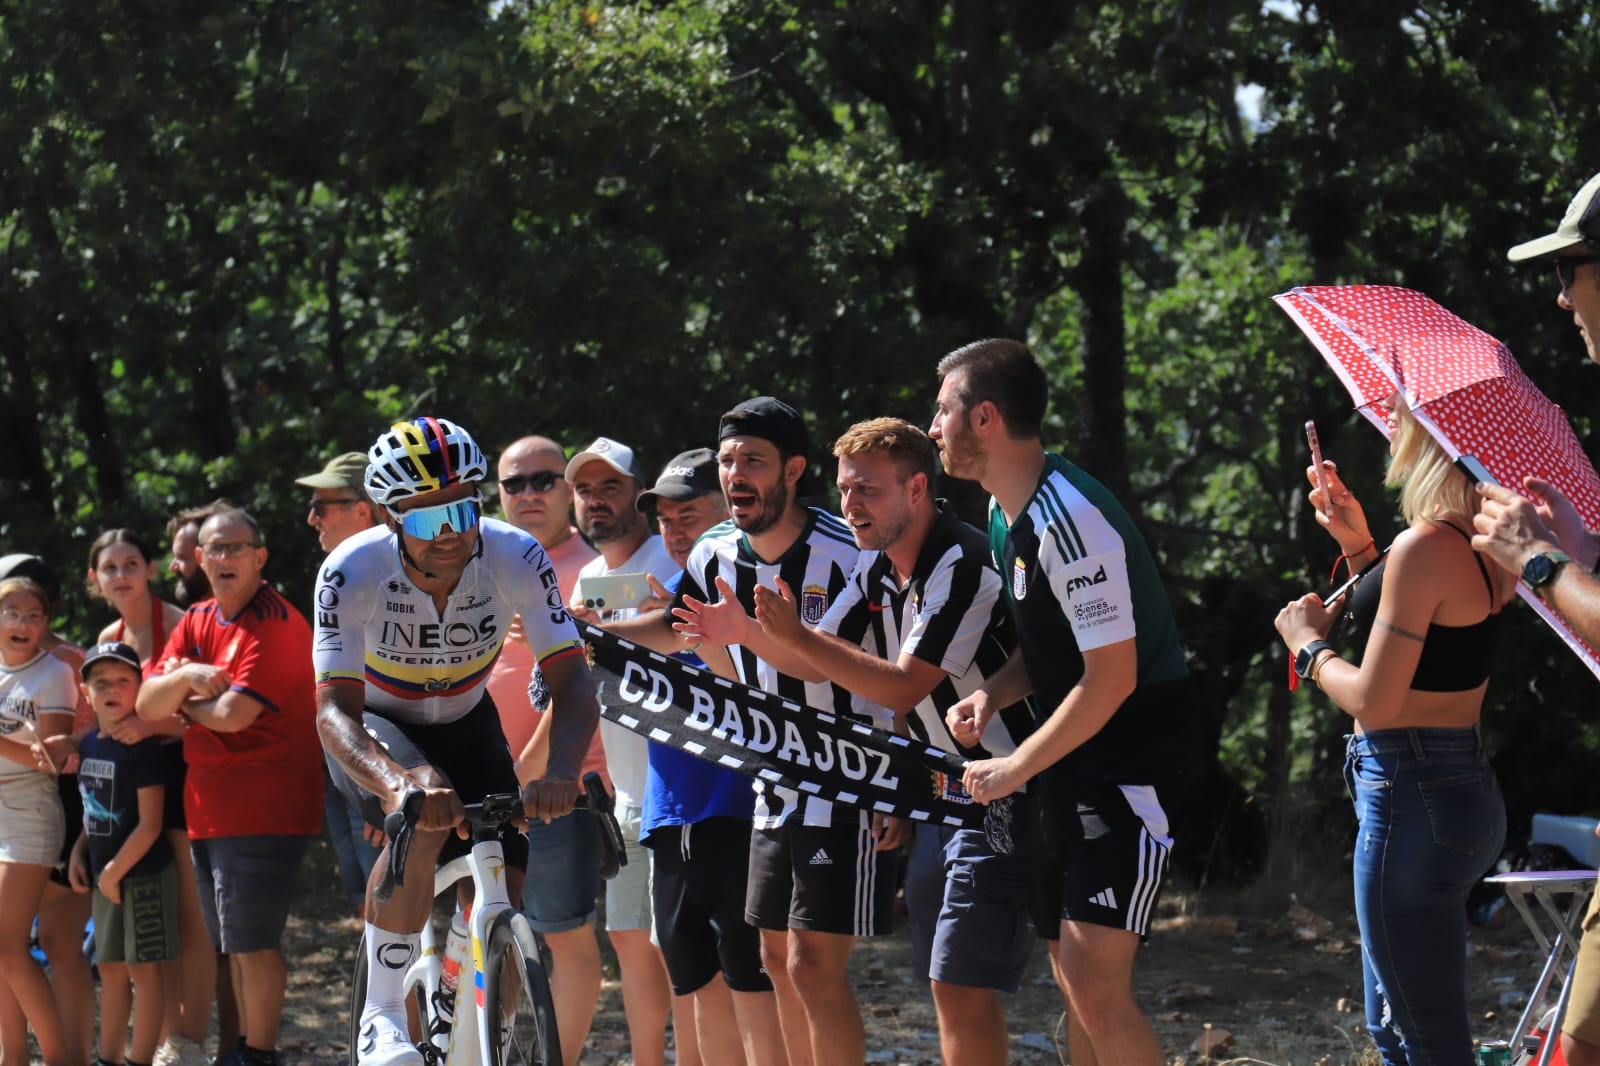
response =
{"points": [[1541, 569], [1306, 657]]}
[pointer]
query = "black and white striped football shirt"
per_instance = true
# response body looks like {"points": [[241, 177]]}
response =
{"points": [[950, 614], [816, 568]]}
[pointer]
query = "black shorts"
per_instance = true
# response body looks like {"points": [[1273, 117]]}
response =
{"points": [[172, 816], [697, 887], [827, 879], [471, 753], [1108, 865]]}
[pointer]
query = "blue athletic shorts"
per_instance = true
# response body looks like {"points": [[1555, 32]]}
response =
{"points": [[967, 908]]}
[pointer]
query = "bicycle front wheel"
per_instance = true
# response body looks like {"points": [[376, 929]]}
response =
{"points": [[522, 1019]]}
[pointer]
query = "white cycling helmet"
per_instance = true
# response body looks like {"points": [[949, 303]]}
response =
{"points": [[423, 455]]}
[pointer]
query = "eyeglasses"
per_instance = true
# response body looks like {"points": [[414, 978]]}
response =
{"points": [[320, 507], [227, 549], [542, 482], [13, 617], [1567, 268], [429, 523]]}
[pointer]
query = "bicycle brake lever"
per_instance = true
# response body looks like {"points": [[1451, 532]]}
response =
{"points": [[397, 826], [613, 853]]}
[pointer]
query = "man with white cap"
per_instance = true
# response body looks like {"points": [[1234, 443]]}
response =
{"points": [[606, 480], [1546, 544]]}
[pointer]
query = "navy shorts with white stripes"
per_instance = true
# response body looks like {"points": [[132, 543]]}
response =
{"points": [[1109, 864], [826, 878]]}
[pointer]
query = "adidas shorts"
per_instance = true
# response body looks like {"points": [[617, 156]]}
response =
{"points": [[1108, 866], [827, 879]]}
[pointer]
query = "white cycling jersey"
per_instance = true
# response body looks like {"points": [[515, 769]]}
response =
{"points": [[375, 628]]}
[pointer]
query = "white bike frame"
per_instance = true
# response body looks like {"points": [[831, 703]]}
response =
{"points": [[485, 864]]}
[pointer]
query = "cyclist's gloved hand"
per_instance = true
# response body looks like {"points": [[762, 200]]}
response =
{"points": [[549, 798]]}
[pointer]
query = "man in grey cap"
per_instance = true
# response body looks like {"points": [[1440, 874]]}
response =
{"points": [[1545, 543], [339, 505]]}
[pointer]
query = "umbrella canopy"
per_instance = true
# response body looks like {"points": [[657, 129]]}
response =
{"points": [[1463, 385]]}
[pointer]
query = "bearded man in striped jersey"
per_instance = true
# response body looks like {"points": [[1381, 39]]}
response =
{"points": [[820, 874]]}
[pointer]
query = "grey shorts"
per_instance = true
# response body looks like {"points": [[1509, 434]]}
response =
{"points": [[967, 908], [628, 893], [144, 926], [245, 884], [32, 826]]}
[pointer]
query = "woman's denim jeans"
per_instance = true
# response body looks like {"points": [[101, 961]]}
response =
{"points": [[1432, 823]]}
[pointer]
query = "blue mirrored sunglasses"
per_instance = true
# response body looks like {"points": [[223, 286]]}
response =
{"points": [[429, 523]]}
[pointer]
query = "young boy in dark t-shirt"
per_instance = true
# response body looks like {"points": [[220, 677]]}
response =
{"points": [[124, 856]]}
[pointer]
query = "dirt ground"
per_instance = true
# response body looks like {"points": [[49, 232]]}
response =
{"points": [[1283, 980]]}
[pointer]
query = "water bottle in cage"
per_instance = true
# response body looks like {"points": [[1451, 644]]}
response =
{"points": [[455, 954]]}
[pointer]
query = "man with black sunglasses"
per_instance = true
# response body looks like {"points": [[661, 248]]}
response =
{"points": [[1546, 544], [410, 618], [339, 507], [535, 497]]}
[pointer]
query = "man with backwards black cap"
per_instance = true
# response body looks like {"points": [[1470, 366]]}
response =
{"points": [[819, 875], [697, 826]]}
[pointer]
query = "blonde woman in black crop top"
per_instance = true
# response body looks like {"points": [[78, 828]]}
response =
{"points": [[1424, 619]]}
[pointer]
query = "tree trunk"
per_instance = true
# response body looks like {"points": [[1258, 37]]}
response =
{"points": [[1098, 283], [19, 412]]}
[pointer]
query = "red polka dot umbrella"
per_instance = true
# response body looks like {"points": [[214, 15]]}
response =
{"points": [[1464, 387]]}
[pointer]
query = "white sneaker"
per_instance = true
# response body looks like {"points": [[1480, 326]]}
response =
{"points": [[384, 1042], [180, 1051]]}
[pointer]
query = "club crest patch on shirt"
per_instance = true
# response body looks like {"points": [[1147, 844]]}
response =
{"points": [[813, 603], [949, 788], [1019, 580]]}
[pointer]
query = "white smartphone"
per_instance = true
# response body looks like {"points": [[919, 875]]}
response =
{"points": [[613, 592], [1316, 465]]}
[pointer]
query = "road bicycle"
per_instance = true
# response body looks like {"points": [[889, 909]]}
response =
{"points": [[501, 1014]]}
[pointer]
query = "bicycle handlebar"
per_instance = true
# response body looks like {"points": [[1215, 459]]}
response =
{"points": [[484, 819]]}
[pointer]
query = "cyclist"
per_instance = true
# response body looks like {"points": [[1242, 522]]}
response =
{"points": [[410, 617]]}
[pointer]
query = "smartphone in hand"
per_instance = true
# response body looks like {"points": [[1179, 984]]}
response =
{"points": [[1316, 466], [613, 592]]}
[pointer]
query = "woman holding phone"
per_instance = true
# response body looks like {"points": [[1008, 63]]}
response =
{"points": [[1411, 673]]}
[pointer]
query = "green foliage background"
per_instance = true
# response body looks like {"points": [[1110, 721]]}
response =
{"points": [[236, 239]]}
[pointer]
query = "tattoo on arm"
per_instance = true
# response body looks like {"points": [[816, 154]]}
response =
{"points": [[1399, 632]]}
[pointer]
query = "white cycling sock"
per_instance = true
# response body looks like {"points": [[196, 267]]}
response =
{"points": [[389, 955]]}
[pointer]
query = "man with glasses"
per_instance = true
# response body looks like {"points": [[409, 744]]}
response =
{"points": [[410, 618], [238, 669], [535, 497], [339, 506], [1545, 543]]}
